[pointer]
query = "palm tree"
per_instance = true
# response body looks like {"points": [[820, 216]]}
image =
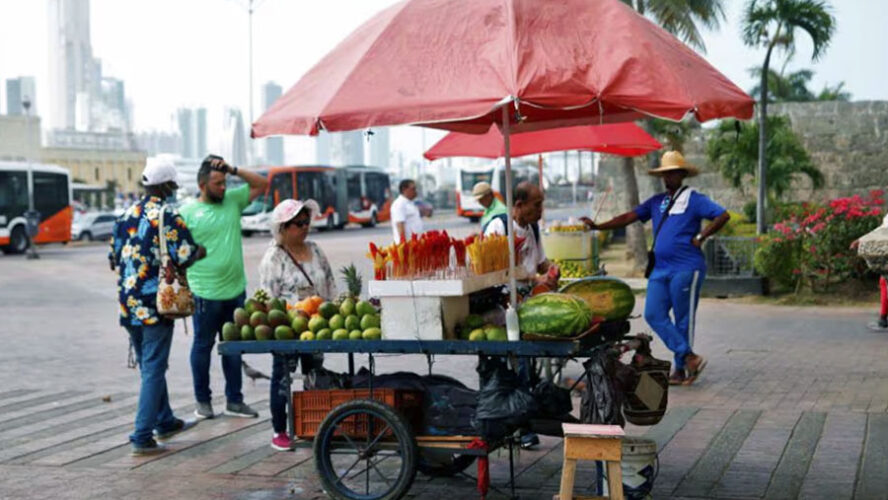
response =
{"points": [[836, 93], [790, 88], [682, 18], [773, 24]]}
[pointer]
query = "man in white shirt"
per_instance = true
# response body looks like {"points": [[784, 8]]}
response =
{"points": [[406, 220], [526, 214]]}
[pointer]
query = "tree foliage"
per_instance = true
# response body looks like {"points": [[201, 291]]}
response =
{"points": [[736, 155]]}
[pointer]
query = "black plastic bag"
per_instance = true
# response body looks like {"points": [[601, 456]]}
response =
{"points": [[322, 378], [503, 404], [601, 403], [553, 401]]}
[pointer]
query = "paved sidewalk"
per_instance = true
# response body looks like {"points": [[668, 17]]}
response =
{"points": [[793, 404]]}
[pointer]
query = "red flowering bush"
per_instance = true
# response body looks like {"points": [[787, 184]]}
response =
{"points": [[812, 246]]}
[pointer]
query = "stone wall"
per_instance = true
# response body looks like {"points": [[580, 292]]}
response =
{"points": [[848, 141]]}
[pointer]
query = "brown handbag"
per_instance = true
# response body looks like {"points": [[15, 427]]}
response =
{"points": [[174, 298]]}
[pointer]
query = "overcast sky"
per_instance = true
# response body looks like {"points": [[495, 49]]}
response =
{"points": [[174, 53]]}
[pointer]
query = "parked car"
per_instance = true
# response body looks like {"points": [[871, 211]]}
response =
{"points": [[92, 226]]}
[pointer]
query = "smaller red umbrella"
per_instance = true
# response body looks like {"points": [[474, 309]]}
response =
{"points": [[624, 139]]}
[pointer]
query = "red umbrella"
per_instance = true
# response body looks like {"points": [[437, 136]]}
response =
{"points": [[452, 64], [624, 139], [465, 64]]}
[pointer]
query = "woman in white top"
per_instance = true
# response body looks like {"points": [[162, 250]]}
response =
{"points": [[292, 268]]}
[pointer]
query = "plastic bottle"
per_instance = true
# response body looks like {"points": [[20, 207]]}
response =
{"points": [[512, 330]]}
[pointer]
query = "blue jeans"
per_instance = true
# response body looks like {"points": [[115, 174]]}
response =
{"points": [[277, 392], [151, 344], [679, 292], [209, 316]]}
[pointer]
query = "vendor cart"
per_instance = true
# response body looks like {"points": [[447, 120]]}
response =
{"points": [[365, 448]]}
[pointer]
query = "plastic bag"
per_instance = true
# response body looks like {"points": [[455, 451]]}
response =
{"points": [[504, 405], [553, 401], [601, 403]]}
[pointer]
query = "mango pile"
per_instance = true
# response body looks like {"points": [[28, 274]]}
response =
{"points": [[271, 319], [475, 329]]}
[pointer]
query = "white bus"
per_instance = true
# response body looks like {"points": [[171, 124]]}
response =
{"points": [[495, 174], [52, 199]]}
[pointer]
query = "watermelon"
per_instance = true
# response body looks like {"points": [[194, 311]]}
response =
{"points": [[557, 314], [609, 298]]}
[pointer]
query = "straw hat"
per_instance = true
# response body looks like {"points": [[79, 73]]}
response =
{"points": [[673, 160], [481, 189]]}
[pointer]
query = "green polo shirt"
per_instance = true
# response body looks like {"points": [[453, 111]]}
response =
{"points": [[217, 227]]}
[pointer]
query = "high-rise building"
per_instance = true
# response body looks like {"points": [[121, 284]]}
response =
{"points": [[17, 89], [340, 148], [193, 129], [234, 138], [72, 70], [379, 147], [274, 146]]}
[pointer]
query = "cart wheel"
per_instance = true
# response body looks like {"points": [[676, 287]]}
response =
{"points": [[353, 463], [442, 463]]}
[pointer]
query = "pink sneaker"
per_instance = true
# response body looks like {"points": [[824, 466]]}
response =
{"points": [[281, 442]]}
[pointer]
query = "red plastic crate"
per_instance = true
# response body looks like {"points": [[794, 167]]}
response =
{"points": [[311, 407]]}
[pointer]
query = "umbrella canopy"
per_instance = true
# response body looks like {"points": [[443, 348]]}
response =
{"points": [[624, 139], [452, 64]]}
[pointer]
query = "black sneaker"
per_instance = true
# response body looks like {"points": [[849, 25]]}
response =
{"points": [[883, 322], [529, 440], [179, 426], [240, 410], [203, 410], [150, 447]]}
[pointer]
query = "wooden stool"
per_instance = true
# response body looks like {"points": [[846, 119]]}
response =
{"points": [[592, 442]]}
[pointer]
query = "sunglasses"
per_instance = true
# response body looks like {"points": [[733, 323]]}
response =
{"points": [[299, 223]]}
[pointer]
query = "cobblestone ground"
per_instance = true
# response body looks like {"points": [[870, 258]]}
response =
{"points": [[793, 404]]}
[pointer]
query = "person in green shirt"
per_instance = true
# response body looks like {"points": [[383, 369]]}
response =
{"points": [[219, 282], [493, 207]]}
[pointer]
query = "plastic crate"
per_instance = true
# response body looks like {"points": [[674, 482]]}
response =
{"points": [[311, 407]]}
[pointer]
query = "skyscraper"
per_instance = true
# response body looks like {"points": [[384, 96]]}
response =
{"points": [[234, 138], [379, 148], [17, 89], [72, 70], [193, 129], [274, 146]]}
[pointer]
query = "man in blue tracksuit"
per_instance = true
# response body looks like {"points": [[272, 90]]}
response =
{"points": [[679, 269]]}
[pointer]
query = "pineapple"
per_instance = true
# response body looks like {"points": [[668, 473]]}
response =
{"points": [[352, 281]]}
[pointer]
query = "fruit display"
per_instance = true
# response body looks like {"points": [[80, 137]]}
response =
{"points": [[310, 319], [488, 253], [421, 255], [573, 268], [567, 228], [609, 298], [556, 314], [475, 329]]}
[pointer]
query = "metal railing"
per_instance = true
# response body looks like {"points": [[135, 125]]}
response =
{"points": [[730, 256]]}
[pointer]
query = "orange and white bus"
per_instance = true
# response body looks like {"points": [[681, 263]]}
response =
{"points": [[355, 194], [52, 199]]}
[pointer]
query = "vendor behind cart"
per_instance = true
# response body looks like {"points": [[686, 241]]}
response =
{"points": [[292, 268], [527, 211]]}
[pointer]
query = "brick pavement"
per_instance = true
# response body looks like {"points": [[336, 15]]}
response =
{"points": [[792, 405]]}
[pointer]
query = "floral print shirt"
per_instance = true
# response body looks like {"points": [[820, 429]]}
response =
{"points": [[283, 279], [135, 251]]}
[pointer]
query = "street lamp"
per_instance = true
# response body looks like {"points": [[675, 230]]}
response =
{"points": [[32, 218], [251, 6]]}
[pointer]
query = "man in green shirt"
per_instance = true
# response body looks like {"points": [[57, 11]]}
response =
{"points": [[493, 207], [219, 283]]}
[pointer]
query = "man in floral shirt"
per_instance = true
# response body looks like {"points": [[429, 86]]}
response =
{"points": [[135, 252]]}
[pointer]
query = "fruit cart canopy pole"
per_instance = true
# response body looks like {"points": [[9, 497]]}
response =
{"points": [[510, 227]]}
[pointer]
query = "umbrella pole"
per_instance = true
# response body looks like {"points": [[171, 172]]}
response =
{"points": [[513, 292]]}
